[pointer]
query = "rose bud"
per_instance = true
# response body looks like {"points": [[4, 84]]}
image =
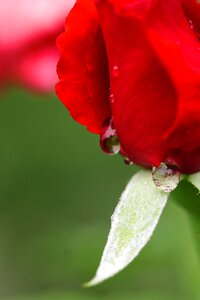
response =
{"points": [[130, 72], [28, 29]]}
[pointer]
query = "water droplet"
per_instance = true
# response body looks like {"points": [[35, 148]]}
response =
{"points": [[111, 98], [165, 177], [191, 24], [127, 161], [109, 141], [115, 71]]}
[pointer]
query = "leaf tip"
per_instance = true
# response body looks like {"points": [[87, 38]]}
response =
{"points": [[91, 283], [133, 223]]}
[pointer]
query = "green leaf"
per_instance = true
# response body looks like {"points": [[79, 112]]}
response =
{"points": [[133, 223], [195, 180]]}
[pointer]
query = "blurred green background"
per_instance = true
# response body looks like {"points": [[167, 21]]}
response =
{"points": [[57, 193]]}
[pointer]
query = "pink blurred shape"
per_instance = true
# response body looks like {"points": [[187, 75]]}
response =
{"points": [[28, 30]]}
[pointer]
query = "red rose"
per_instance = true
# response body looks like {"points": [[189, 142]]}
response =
{"points": [[145, 54], [28, 29]]}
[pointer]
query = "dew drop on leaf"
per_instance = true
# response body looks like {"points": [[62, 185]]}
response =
{"points": [[109, 140], [166, 177]]}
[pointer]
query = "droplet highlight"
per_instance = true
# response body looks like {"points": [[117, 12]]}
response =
{"points": [[191, 24], [115, 71], [111, 98], [166, 178], [109, 140]]}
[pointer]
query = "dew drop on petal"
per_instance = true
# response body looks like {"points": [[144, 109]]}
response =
{"points": [[165, 177], [111, 98], [193, 28], [191, 24], [115, 71], [109, 141]]}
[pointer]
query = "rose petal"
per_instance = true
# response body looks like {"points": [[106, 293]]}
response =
{"points": [[82, 70], [142, 91], [179, 50], [136, 8]]}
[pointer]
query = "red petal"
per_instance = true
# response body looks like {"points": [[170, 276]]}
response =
{"points": [[179, 50], [82, 69], [136, 8], [142, 90]]}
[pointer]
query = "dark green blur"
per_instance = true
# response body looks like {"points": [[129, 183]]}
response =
{"points": [[57, 193]]}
